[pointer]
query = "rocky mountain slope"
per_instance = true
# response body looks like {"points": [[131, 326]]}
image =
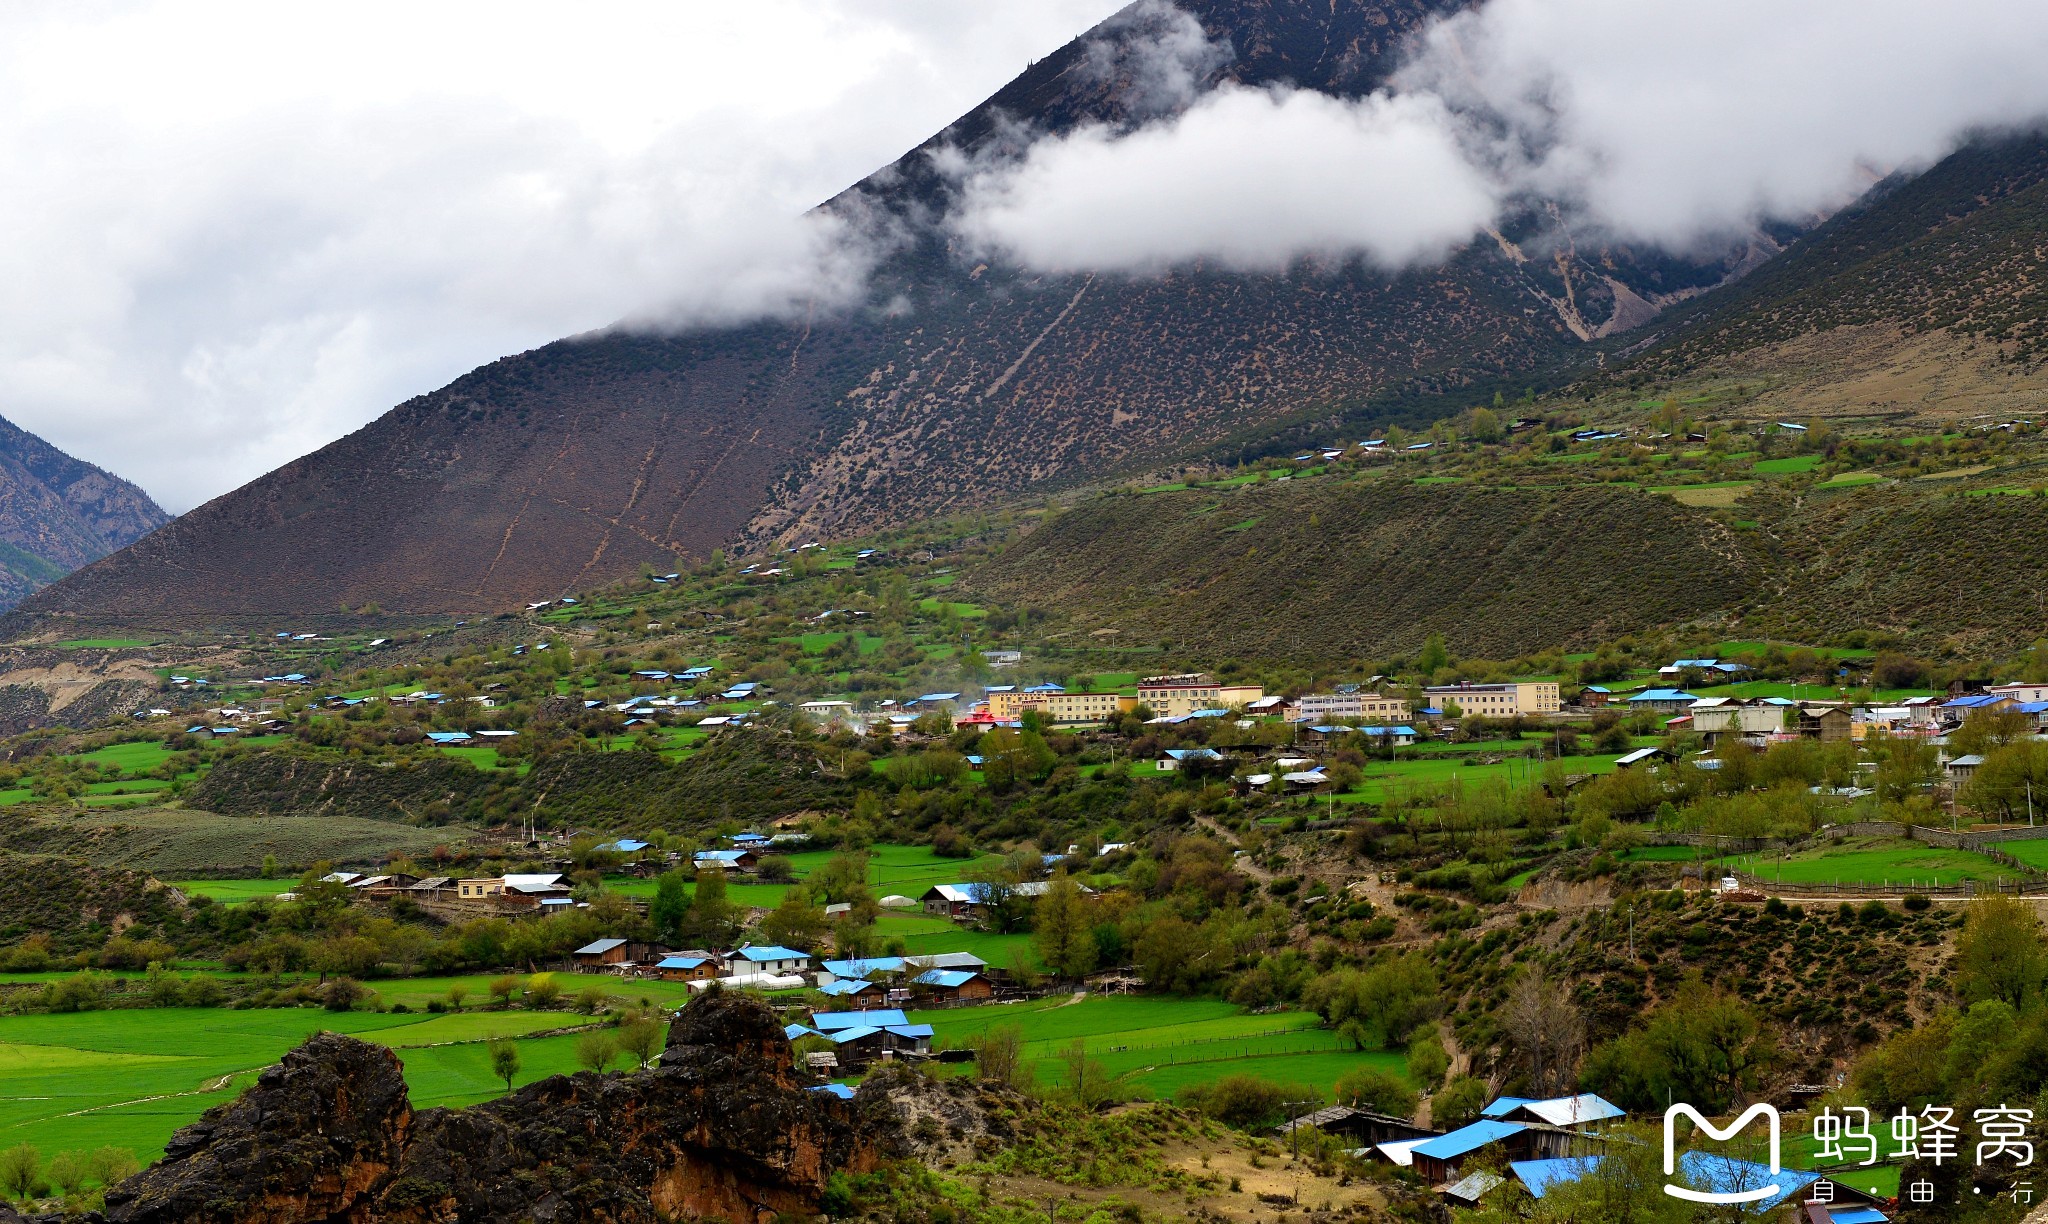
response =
{"points": [[58, 513], [720, 1129], [959, 383]]}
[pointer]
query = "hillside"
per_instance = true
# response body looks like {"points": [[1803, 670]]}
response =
{"points": [[58, 513], [1926, 298], [578, 463], [1325, 570]]}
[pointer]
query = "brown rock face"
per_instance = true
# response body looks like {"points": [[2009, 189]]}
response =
{"points": [[720, 1129]]}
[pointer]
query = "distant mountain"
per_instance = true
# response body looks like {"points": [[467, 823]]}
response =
{"points": [[958, 385], [58, 513]]}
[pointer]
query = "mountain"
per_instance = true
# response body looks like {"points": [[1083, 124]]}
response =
{"points": [[58, 513], [958, 384], [1925, 298]]}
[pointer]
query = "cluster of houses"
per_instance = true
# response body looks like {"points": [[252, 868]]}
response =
{"points": [[863, 984], [1544, 1144]]}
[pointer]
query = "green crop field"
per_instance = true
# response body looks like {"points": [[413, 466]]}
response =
{"points": [[128, 1078], [174, 843], [1874, 861], [1384, 778], [232, 892], [102, 644], [1163, 1044], [1794, 463], [2032, 853]]}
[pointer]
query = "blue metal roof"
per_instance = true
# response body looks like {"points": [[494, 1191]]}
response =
{"points": [[772, 952], [946, 978], [1506, 1105], [1468, 1139], [679, 962], [1727, 1175], [1664, 694], [826, 1022], [843, 1091]]}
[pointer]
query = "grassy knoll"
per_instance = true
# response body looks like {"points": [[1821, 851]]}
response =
{"points": [[1873, 860]]}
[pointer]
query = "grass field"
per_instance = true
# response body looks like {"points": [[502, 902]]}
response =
{"points": [[2032, 853], [1712, 496], [174, 843], [128, 1078], [1384, 779], [1794, 463], [1873, 860], [1162, 1044]]}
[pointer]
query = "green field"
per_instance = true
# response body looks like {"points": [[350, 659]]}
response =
{"points": [[130, 1077], [1874, 861], [2032, 853], [102, 644], [1384, 779], [1163, 1044], [232, 892], [1794, 463]]}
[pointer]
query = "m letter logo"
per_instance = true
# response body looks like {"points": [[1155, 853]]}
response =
{"points": [[1719, 1135]]}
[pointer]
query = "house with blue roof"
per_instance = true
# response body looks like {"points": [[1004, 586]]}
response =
{"points": [[1663, 701], [770, 958], [624, 845], [1175, 758], [686, 968], [955, 985], [728, 860]]}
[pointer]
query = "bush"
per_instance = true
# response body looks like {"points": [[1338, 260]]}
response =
{"points": [[1246, 1101], [79, 992], [1371, 1088], [775, 869], [341, 994], [1917, 902], [542, 990]]}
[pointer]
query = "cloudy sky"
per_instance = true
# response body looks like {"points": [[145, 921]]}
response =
{"points": [[234, 232]]}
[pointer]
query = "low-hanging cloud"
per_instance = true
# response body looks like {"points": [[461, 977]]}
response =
{"points": [[1247, 179], [234, 233], [1676, 125]]}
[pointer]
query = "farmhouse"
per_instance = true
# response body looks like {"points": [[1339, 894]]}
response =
{"points": [[962, 985], [728, 860], [687, 967], [770, 958], [1662, 701], [965, 900]]}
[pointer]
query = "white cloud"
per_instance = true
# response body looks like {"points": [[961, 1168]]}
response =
{"points": [[1247, 179], [1671, 124], [237, 231]]}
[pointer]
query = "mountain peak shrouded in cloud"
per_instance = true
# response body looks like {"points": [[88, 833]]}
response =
{"points": [[1195, 232], [1681, 127]]}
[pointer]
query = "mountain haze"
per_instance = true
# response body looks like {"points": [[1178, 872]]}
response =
{"points": [[960, 382]]}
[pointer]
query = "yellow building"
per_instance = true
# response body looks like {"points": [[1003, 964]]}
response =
{"points": [[1497, 700], [1059, 707], [1173, 696]]}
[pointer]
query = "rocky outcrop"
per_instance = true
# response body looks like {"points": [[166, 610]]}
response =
{"points": [[721, 1128]]}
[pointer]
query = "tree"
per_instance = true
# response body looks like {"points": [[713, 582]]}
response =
{"points": [[1061, 930], [595, 1051], [1542, 1020], [1372, 1088], [1999, 954], [270, 866], [457, 992], [1458, 1104], [70, 1170], [1435, 656], [671, 906], [504, 1061], [796, 923], [1088, 1082], [1427, 1059], [999, 906], [503, 989], [542, 991], [999, 1055], [640, 1036], [21, 1167], [111, 1166], [712, 919], [341, 994]]}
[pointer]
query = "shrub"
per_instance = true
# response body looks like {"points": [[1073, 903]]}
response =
{"points": [[341, 994], [1245, 1101]]}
